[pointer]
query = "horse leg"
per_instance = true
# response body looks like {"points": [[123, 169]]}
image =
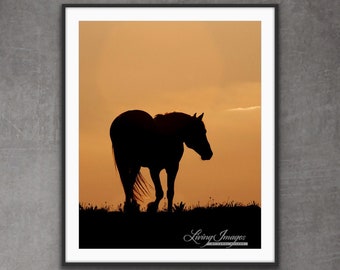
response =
{"points": [[171, 172], [128, 176], [153, 206]]}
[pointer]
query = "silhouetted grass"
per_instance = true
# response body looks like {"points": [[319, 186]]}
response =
{"points": [[101, 228]]}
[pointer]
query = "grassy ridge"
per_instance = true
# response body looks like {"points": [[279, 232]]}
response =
{"points": [[100, 228]]}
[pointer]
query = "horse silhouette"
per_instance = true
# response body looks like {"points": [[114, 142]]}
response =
{"points": [[138, 140]]}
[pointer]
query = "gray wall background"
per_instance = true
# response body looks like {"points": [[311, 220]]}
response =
{"points": [[31, 110]]}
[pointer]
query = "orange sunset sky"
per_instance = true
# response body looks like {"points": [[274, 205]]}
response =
{"points": [[159, 67]]}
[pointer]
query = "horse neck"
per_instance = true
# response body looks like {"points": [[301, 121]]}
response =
{"points": [[173, 124]]}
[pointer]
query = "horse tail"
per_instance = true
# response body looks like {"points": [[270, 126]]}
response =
{"points": [[140, 188], [114, 158]]}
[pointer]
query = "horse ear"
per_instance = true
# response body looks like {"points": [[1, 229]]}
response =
{"points": [[194, 116], [201, 116]]}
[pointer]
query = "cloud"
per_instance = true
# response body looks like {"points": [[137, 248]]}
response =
{"points": [[245, 109]]}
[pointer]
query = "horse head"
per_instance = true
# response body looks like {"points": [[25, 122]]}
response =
{"points": [[195, 137]]}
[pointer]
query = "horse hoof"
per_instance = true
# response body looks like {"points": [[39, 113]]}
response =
{"points": [[131, 208], [152, 207]]}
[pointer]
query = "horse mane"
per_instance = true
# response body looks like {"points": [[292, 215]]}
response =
{"points": [[172, 123], [173, 116]]}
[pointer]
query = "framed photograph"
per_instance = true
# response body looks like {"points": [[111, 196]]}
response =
{"points": [[170, 133]]}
